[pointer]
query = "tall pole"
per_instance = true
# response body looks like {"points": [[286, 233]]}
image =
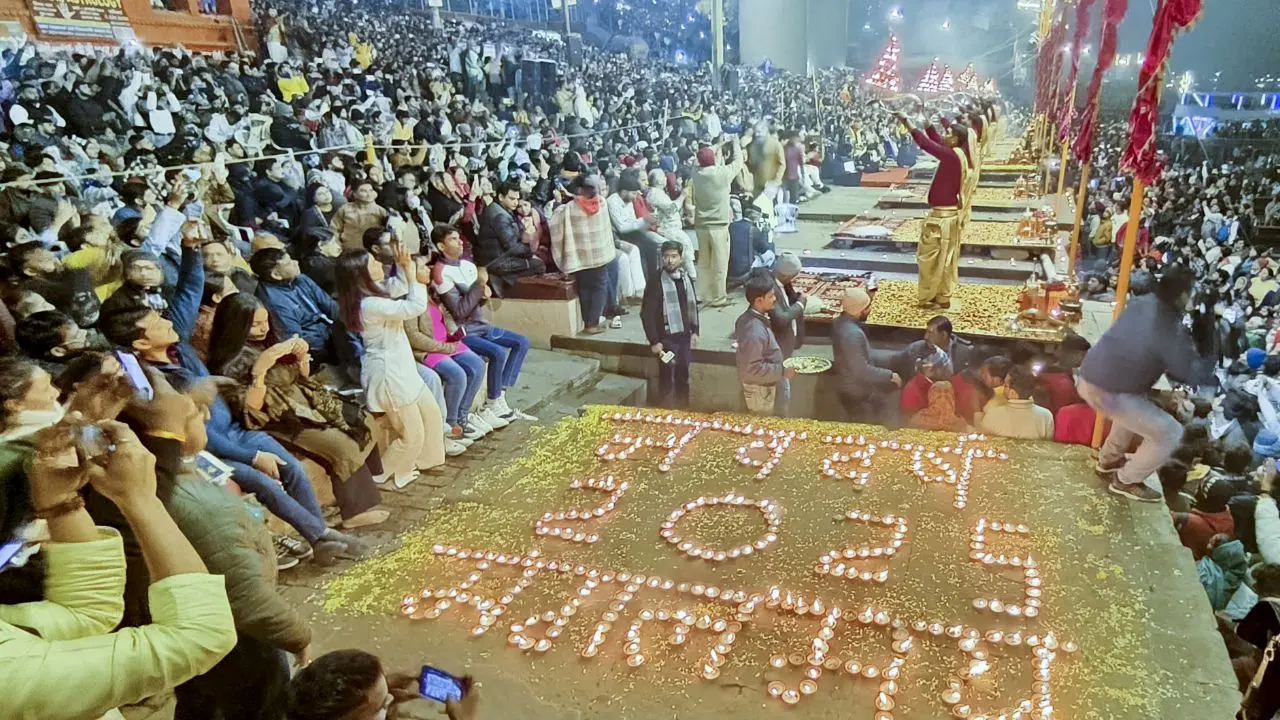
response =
{"points": [[1081, 196], [568, 29], [1062, 167], [1126, 269], [717, 36]]}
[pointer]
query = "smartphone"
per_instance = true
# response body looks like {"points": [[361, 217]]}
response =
{"points": [[193, 174], [667, 357], [94, 443], [9, 551], [133, 370], [439, 685]]}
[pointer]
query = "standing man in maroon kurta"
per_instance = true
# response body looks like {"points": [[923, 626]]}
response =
{"points": [[938, 253]]}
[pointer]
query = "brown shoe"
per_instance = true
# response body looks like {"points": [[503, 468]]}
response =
{"points": [[592, 330], [942, 304]]}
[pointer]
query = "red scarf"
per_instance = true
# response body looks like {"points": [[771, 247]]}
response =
{"points": [[641, 207]]}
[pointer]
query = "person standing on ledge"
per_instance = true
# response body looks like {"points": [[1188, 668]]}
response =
{"points": [[712, 213], [938, 253], [759, 358], [669, 313], [1147, 340]]}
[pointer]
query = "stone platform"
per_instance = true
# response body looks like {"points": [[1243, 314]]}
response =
{"points": [[1121, 624]]}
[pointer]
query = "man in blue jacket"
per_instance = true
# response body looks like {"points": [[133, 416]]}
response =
{"points": [[260, 464], [298, 306]]}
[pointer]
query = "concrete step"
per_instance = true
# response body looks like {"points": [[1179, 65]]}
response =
{"points": [[547, 375], [603, 389]]}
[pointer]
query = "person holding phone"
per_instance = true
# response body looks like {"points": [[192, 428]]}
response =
{"points": [[389, 372], [61, 655], [353, 685]]}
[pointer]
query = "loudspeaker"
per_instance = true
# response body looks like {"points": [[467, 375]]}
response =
{"points": [[574, 50], [730, 79], [538, 78]]}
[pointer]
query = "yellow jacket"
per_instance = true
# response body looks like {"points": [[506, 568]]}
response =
{"points": [[363, 50], [292, 87], [60, 658]]}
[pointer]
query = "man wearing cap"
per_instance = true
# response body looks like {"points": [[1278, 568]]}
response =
{"points": [[711, 218], [867, 393], [938, 253], [787, 316]]}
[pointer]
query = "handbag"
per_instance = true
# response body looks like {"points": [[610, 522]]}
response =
{"points": [[1258, 703]]}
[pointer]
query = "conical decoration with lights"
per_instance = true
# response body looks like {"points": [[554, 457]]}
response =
{"points": [[928, 82], [886, 75], [967, 81], [948, 82]]}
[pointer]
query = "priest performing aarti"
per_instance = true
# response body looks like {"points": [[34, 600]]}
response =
{"points": [[938, 254]]}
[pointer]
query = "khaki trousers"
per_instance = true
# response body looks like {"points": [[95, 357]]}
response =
{"points": [[938, 255], [713, 262], [421, 445]]}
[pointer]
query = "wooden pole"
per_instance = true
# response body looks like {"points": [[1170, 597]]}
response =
{"points": [[1081, 195], [1126, 269], [1062, 168]]}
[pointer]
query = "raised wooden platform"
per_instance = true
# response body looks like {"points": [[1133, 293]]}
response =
{"points": [[978, 310]]}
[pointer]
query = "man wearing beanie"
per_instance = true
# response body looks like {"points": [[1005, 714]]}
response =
{"points": [[1210, 516], [711, 218]]}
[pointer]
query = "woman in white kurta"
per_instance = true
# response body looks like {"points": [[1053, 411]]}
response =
{"points": [[388, 371]]}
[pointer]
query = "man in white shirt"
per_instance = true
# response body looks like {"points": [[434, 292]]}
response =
{"points": [[1019, 416]]}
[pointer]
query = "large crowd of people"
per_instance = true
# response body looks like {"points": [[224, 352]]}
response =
{"points": [[327, 222]]}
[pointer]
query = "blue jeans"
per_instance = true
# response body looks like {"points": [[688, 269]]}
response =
{"points": [[462, 374], [1133, 416], [291, 498], [505, 352]]}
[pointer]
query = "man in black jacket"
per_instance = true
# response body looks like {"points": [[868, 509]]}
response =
{"points": [[867, 392], [669, 313], [498, 247], [787, 316], [273, 196]]}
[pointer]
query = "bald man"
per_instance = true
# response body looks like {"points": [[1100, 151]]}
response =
{"points": [[868, 393]]}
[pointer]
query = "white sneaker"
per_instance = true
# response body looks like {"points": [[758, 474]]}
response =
{"points": [[500, 406], [476, 423], [469, 434], [510, 413], [453, 448], [494, 420]]}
